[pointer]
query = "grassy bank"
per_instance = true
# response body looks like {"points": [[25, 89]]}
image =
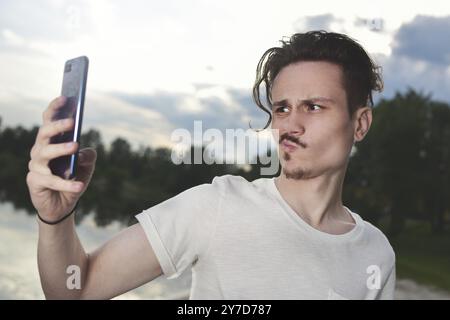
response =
{"points": [[422, 255]]}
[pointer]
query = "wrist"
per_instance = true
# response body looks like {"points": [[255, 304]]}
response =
{"points": [[59, 220]]}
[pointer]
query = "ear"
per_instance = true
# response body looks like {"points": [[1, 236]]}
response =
{"points": [[362, 119]]}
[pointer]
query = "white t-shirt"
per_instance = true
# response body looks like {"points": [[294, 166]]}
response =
{"points": [[243, 241]]}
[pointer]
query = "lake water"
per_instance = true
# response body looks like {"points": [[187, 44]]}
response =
{"points": [[19, 278]]}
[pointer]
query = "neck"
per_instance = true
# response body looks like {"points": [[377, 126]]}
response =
{"points": [[317, 200]]}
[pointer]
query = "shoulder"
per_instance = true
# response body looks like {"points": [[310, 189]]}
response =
{"points": [[238, 185], [379, 239], [214, 191], [230, 179], [229, 182], [219, 187]]}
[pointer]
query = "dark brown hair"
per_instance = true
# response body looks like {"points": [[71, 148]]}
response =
{"points": [[361, 75]]}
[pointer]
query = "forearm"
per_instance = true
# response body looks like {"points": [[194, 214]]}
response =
{"points": [[58, 248]]}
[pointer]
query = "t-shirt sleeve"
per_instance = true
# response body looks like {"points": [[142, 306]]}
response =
{"points": [[180, 229]]}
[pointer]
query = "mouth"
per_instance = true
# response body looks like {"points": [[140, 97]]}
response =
{"points": [[288, 146]]}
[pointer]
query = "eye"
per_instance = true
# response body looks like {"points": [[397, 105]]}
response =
{"points": [[312, 106], [282, 110]]}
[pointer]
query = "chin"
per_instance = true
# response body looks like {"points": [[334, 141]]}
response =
{"points": [[295, 168], [296, 174]]}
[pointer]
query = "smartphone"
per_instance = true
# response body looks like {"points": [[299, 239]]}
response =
{"points": [[74, 89]]}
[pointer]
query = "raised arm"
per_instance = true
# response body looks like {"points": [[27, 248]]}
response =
{"points": [[123, 263]]}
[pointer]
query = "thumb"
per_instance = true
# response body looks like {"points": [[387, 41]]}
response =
{"points": [[87, 158]]}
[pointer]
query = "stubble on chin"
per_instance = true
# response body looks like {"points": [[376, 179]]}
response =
{"points": [[296, 173]]}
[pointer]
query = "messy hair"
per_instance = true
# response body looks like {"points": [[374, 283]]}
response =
{"points": [[360, 74]]}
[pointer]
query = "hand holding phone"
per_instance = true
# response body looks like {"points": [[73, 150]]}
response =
{"points": [[74, 89], [57, 176]]}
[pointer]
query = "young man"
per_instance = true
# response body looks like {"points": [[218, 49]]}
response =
{"points": [[288, 237]]}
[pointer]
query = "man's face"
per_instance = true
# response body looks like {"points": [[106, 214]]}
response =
{"points": [[310, 112]]}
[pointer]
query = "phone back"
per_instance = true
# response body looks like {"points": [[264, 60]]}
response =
{"points": [[73, 88]]}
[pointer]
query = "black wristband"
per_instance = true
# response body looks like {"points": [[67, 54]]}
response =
{"points": [[59, 220]]}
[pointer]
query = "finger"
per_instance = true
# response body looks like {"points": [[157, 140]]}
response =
{"points": [[34, 166], [52, 129], [87, 156], [52, 151], [52, 107], [86, 164], [40, 182]]}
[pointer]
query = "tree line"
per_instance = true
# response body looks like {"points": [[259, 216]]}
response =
{"points": [[400, 171]]}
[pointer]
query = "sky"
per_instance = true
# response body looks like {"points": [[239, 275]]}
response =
{"points": [[156, 66]]}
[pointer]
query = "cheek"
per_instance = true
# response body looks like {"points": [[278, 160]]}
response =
{"points": [[333, 141]]}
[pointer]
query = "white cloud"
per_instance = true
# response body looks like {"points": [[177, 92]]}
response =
{"points": [[142, 47], [117, 118]]}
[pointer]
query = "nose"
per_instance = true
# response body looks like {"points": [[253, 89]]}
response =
{"points": [[293, 125]]}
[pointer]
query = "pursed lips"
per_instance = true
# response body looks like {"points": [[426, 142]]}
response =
{"points": [[288, 145]]}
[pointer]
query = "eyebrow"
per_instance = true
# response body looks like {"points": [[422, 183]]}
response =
{"points": [[284, 102]]}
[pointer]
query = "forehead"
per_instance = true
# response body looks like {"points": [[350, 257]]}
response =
{"points": [[306, 79]]}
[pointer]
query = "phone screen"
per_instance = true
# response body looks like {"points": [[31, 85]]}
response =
{"points": [[74, 89]]}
